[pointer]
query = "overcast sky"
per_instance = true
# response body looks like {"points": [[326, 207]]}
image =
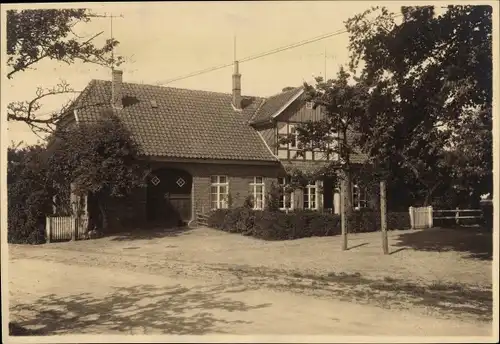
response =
{"points": [[166, 40]]}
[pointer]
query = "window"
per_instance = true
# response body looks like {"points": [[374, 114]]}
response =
{"points": [[294, 137], [310, 196], [309, 105], [290, 150], [219, 191], [358, 197], [286, 198], [257, 188]]}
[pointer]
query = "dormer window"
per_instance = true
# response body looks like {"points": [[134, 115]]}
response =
{"points": [[309, 105]]}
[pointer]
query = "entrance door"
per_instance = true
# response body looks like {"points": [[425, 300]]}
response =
{"points": [[169, 196]]}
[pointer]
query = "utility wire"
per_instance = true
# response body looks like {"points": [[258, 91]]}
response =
{"points": [[256, 56], [264, 54]]}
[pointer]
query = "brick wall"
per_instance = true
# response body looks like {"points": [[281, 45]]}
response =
{"points": [[132, 211], [239, 177]]}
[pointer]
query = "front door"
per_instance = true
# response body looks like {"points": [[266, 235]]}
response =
{"points": [[169, 196]]}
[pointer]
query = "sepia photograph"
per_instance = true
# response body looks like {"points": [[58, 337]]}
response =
{"points": [[249, 171]]}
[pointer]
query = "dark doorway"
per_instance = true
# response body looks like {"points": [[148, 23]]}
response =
{"points": [[328, 187], [169, 197]]}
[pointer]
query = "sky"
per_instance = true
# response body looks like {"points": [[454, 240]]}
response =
{"points": [[164, 40]]}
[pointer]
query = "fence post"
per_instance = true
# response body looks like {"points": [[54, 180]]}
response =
{"points": [[412, 219], [457, 216], [47, 230], [383, 217], [74, 229], [431, 223]]}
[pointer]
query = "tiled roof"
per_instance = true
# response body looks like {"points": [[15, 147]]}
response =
{"points": [[184, 123], [273, 104]]}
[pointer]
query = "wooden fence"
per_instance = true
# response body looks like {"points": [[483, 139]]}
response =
{"points": [[64, 228], [423, 217]]}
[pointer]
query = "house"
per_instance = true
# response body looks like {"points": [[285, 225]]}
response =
{"points": [[209, 149]]}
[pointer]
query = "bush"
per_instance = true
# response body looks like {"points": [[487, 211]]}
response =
{"points": [[362, 221], [28, 194], [277, 225]]}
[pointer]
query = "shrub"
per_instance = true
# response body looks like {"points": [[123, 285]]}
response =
{"points": [[278, 225], [28, 193], [362, 221], [273, 198], [216, 218]]}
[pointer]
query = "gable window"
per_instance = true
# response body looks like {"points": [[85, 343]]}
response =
{"points": [[219, 191], [309, 105], [290, 150], [358, 197], [257, 187], [294, 137], [285, 201], [310, 196]]}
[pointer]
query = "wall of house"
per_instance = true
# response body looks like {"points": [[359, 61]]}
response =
{"points": [[131, 211], [239, 176], [299, 112]]}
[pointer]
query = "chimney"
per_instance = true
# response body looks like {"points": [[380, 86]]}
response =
{"points": [[117, 88], [236, 87]]}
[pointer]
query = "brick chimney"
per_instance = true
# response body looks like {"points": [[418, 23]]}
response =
{"points": [[117, 88], [236, 86]]}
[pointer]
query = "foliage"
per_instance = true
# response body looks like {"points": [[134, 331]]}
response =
{"points": [[273, 197], [369, 221], [248, 202], [98, 158], [34, 35], [29, 194], [37, 34], [276, 225], [430, 82]]}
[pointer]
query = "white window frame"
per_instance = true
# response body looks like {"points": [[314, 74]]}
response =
{"points": [[361, 201], [295, 134], [309, 105], [254, 186], [221, 198], [282, 183], [307, 194]]}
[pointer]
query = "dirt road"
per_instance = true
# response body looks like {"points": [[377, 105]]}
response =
{"points": [[57, 298]]}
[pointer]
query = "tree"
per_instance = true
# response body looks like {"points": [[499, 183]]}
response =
{"points": [[37, 34], [99, 159], [29, 193], [430, 81], [343, 102]]}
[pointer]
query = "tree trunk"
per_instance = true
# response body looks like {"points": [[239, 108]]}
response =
{"points": [[104, 215], [429, 193]]}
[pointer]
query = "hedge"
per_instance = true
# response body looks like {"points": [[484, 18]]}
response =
{"points": [[278, 225]]}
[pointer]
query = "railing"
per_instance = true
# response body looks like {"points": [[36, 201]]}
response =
{"points": [[64, 228], [456, 214], [423, 217], [202, 219]]}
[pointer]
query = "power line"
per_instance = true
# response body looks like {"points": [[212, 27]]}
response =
{"points": [[256, 56], [264, 54]]}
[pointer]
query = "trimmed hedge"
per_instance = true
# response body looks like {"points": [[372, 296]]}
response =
{"points": [[278, 225]]}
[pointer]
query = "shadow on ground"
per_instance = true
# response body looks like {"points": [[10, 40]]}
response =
{"points": [[143, 308], [475, 242], [150, 233]]}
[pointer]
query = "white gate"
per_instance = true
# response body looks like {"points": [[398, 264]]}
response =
{"points": [[421, 217]]}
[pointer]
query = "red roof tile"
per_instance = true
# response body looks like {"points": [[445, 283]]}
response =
{"points": [[273, 104], [183, 124]]}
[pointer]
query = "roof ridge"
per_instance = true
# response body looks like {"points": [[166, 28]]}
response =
{"points": [[176, 88], [295, 89]]}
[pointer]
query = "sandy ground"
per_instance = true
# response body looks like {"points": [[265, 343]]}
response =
{"points": [[64, 299], [204, 281]]}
